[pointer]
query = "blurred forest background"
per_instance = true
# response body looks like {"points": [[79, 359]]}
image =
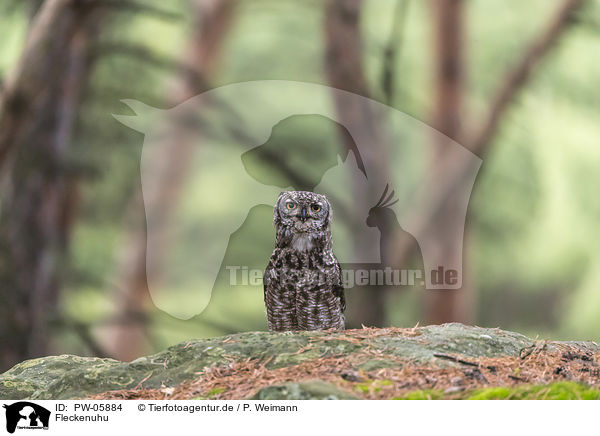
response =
{"points": [[515, 82]]}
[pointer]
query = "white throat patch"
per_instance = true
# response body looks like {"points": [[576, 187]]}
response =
{"points": [[302, 242]]}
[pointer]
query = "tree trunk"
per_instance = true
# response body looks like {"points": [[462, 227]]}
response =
{"points": [[345, 71], [457, 305], [447, 305], [37, 115]]}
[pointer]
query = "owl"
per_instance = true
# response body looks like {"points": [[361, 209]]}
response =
{"points": [[303, 279]]}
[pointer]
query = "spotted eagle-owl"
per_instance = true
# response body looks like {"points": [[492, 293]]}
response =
{"points": [[303, 280]]}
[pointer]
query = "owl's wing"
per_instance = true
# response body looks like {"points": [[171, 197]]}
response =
{"points": [[338, 288], [267, 278]]}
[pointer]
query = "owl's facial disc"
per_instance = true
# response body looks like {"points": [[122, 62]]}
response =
{"points": [[303, 211]]}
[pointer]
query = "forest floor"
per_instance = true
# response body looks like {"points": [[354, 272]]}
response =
{"points": [[451, 361]]}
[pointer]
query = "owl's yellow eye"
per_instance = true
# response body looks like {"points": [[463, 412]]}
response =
{"points": [[315, 208], [290, 205]]}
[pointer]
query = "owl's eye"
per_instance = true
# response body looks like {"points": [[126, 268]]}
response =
{"points": [[315, 208], [290, 205]]}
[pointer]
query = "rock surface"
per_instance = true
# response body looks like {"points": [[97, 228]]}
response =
{"points": [[309, 390], [365, 351]]}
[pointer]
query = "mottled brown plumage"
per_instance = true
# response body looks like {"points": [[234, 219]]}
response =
{"points": [[303, 280]]}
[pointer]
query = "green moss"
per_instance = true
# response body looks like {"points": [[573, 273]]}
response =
{"points": [[426, 394], [371, 385], [500, 393], [554, 391], [216, 391], [363, 387]]}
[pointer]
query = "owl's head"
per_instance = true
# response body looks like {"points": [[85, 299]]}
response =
{"points": [[302, 211]]}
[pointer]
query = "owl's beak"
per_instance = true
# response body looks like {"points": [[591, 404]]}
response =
{"points": [[303, 215]]}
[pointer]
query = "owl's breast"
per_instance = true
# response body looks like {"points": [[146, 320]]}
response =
{"points": [[302, 242]]}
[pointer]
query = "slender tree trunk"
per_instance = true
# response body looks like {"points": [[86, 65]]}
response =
{"points": [[128, 340], [38, 111], [345, 71], [447, 305]]}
